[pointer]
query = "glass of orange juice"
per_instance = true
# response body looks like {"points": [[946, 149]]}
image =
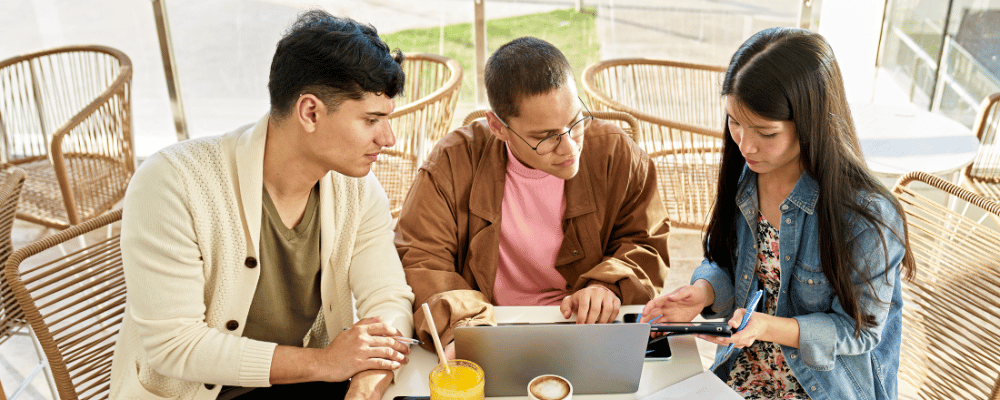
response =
{"points": [[466, 381]]}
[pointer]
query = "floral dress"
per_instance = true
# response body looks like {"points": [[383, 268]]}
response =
{"points": [[760, 371]]}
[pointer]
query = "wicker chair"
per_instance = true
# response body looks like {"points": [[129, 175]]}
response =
{"points": [[950, 347], [680, 113], [65, 119], [625, 121], [983, 175], [74, 304], [12, 321], [429, 99]]}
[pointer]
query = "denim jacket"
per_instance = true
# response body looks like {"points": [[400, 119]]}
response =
{"points": [[831, 362]]}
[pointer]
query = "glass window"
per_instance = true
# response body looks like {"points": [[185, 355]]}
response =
{"points": [[944, 58]]}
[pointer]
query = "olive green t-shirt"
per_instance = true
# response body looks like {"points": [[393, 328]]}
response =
{"points": [[287, 299]]}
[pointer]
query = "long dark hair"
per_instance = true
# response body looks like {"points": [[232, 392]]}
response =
{"points": [[788, 74]]}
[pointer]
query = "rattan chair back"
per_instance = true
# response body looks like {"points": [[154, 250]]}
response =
{"points": [[680, 113], [983, 175], [423, 115], [950, 347], [65, 118], [625, 121], [74, 304], [11, 316]]}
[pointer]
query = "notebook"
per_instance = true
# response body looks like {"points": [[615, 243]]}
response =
{"points": [[596, 359]]}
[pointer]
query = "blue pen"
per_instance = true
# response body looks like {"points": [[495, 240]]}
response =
{"points": [[746, 318]]}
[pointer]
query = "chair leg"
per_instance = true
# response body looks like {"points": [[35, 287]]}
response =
{"points": [[44, 361]]}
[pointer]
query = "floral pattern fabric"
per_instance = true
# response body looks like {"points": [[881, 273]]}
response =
{"points": [[760, 371]]}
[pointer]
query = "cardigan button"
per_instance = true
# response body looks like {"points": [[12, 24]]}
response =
{"points": [[250, 262], [232, 325], [209, 386], [576, 252], [788, 220], [813, 388], [788, 258], [792, 356], [784, 206], [810, 281]]}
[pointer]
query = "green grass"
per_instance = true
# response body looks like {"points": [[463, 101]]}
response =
{"points": [[574, 33]]}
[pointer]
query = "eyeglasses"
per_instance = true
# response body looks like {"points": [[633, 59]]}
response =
{"points": [[549, 143]]}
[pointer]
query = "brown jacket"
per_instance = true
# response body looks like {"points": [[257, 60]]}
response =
{"points": [[615, 226]]}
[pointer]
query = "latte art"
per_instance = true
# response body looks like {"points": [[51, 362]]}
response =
{"points": [[549, 387]]}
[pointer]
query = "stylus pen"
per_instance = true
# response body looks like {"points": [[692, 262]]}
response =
{"points": [[746, 318], [406, 340], [403, 340], [638, 317]]}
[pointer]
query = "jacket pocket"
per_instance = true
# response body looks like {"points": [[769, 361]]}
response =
{"points": [[811, 290], [134, 389]]}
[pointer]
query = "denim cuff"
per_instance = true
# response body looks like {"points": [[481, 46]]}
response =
{"points": [[722, 285], [817, 339]]}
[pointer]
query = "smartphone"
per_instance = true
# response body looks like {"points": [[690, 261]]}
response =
{"points": [[681, 328], [658, 349]]}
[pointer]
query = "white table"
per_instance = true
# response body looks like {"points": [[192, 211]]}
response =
{"points": [[656, 375], [897, 140]]}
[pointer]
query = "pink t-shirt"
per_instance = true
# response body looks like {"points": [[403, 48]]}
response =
{"points": [[530, 236]]}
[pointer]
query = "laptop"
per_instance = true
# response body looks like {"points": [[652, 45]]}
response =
{"points": [[596, 359]]}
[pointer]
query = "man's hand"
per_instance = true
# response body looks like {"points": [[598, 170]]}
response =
{"points": [[367, 345], [592, 305], [369, 385], [680, 305]]}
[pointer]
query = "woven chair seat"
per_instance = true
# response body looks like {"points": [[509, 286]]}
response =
{"points": [[97, 190]]}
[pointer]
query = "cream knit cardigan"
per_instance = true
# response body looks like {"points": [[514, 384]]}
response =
{"points": [[191, 221]]}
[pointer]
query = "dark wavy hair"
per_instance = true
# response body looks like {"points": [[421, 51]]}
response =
{"points": [[790, 74], [522, 68], [334, 59]]}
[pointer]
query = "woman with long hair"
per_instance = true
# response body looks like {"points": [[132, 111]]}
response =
{"points": [[798, 215]]}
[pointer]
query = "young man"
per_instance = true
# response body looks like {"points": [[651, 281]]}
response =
{"points": [[537, 205], [242, 251]]}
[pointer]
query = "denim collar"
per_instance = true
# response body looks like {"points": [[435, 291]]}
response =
{"points": [[804, 195]]}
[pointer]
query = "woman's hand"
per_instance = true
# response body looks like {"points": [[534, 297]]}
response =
{"points": [[752, 332], [681, 305], [761, 326]]}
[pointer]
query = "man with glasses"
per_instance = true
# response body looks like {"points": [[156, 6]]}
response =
{"points": [[511, 210]]}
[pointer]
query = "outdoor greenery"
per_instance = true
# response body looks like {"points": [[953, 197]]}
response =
{"points": [[574, 33]]}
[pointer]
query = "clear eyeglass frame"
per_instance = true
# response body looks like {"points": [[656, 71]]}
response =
{"points": [[551, 142]]}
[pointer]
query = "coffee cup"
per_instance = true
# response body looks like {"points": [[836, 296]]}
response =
{"points": [[550, 387]]}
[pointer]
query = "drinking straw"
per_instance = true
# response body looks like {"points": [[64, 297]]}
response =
{"points": [[437, 340]]}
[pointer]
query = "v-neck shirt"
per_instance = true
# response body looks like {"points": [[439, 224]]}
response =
{"points": [[287, 300]]}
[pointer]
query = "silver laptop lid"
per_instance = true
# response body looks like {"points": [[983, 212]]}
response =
{"points": [[597, 359]]}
